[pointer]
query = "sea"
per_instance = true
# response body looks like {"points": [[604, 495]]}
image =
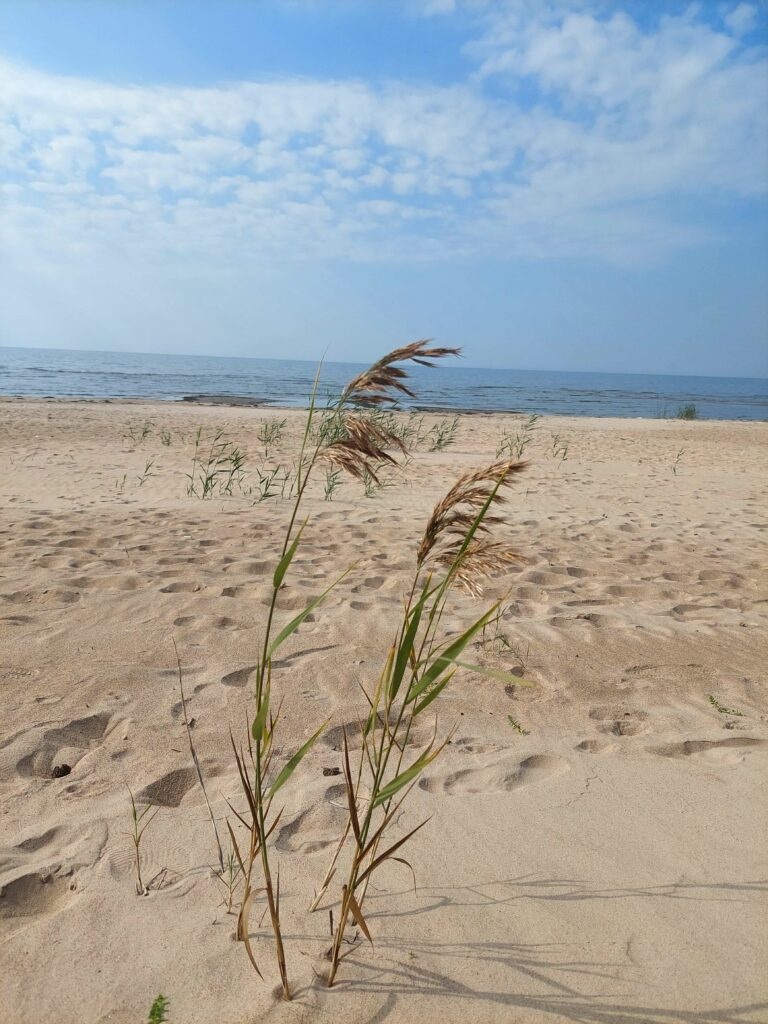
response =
{"points": [[65, 373]]}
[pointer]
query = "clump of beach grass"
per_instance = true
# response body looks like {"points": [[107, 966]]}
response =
{"points": [[217, 466], [559, 448], [332, 483], [272, 484], [516, 725], [138, 432], [514, 445], [457, 549], [360, 448], [146, 473], [722, 709], [158, 1010], [140, 822], [270, 434], [688, 411], [443, 434], [230, 877]]}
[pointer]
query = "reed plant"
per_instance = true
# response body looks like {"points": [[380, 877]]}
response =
{"points": [[722, 709], [272, 483], [229, 877], [270, 434], [406, 433], [443, 434], [146, 472], [687, 411], [332, 483], [559, 448], [360, 448], [140, 822], [457, 550], [514, 445], [516, 725], [217, 466], [138, 432], [158, 1010]]}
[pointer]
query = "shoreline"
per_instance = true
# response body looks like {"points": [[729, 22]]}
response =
{"points": [[266, 405]]}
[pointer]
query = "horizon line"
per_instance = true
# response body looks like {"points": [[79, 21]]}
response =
{"points": [[346, 362]]}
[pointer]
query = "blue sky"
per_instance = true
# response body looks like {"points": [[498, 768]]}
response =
{"points": [[554, 186]]}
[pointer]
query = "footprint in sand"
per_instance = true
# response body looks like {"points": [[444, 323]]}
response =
{"points": [[32, 895], [239, 677], [595, 746], [470, 745], [170, 789], [620, 721], [334, 737], [369, 583], [729, 751], [42, 597], [176, 709], [65, 745], [181, 587], [498, 778], [317, 827]]}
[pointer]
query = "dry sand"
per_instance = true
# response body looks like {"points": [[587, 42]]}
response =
{"points": [[609, 865]]}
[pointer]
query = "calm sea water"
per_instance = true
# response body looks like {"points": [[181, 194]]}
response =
{"points": [[69, 373]]}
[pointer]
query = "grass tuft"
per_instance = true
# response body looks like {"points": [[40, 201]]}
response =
{"points": [[158, 1010], [723, 710], [270, 434], [443, 434], [139, 827], [217, 466], [513, 446], [688, 411], [516, 726]]}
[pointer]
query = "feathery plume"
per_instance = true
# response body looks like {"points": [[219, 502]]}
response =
{"points": [[453, 516], [364, 448], [376, 384]]}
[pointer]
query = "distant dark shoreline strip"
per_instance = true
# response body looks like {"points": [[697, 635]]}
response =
{"points": [[249, 401]]}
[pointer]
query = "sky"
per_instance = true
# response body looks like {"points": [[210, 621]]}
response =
{"points": [[555, 185]]}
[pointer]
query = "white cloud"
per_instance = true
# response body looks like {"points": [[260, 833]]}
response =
{"points": [[741, 19], [624, 130]]}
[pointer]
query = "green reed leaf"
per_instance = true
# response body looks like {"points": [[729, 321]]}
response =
{"points": [[436, 690], [287, 558], [444, 660], [493, 673], [405, 777], [294, 624], [288, 769], [404, 651], [257, 729]]}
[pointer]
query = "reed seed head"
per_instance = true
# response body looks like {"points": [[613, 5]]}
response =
{"points": [[365, 446], [382, 381], [454, 516], [363, 449]]}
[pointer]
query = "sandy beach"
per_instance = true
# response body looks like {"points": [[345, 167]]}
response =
{"points": [[596, 849]]}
